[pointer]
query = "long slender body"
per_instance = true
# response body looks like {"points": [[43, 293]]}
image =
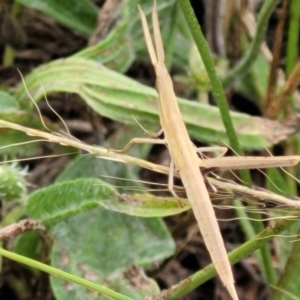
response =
{"points": [[185, 159], [250, 162]]}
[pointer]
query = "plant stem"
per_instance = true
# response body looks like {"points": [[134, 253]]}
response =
{"points": [[289, 272], [293, 36], [291, 64], [63, 275], [192, 282], [248, 59], [214, 79]]}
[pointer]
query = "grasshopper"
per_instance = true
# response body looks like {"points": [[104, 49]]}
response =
{"points": [[184, 157], [185, 161]]}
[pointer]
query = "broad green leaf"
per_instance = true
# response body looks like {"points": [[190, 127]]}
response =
{"points": [[103, 169], [254, 85], [134, 285], [117, 233], [13, 142], [128, 202], [288, 261], [81, 16], [7, 102], [132, 199], [26, 244], [62, 200], [130, 240], [118, 49], [147, 205], [102, 246], [276, 182], [196, 77], [77, 168], [117, 97], [115, 51]]}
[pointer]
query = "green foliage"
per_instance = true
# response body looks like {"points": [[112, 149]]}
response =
{"points": [[7, 102], [12, 183], [102, 245], [80, 16], [63, 200], [77, 197], [105, 90]]}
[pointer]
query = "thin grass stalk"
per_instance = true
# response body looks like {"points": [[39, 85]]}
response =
{"points": [[293, 36], [271, 100], [291, 62], [63, 275], [171, 31], [189, 284], [214, 79], [249, 58], [289, 272]]}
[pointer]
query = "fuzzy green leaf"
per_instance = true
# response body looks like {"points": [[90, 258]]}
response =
{"points": [[63, 200]]}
